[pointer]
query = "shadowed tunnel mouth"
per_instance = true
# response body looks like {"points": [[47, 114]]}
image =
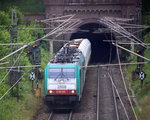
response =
{"points": [[102, 51]]}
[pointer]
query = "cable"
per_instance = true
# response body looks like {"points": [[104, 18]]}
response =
{"points": [[13, 52], [57, 29], [13, 43], [11, 67], [11, 88], [110, 57], [120, 30], [113, 85], [131, 52], [4, 63], [125, 85], [119, 96]]}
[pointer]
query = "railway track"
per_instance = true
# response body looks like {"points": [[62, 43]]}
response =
{"points": [[115, 103], [112, 102], [122, 101], [60, 116], [100, 101], [106, 107]]}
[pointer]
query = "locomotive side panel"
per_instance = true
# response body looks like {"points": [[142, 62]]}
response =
{"points": [[64, 76], [85, 48]]}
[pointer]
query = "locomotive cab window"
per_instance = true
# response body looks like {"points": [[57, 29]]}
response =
{"points": [[61, 73]]}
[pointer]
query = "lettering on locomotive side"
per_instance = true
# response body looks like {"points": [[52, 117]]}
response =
{"points": [[61, 87], [61, 92]]}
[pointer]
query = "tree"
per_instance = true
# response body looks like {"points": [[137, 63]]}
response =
{"points": [[4, 18], [147, 21]]}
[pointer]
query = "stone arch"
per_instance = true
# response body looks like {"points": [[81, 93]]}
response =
{"points": [[111, 11], [74, 11], [83, 11], [97, 11], [101, 51], [106, 12], [88, 11], [79, 11]]}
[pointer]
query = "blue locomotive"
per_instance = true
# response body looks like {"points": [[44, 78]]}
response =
{"points": [[64, 76]]}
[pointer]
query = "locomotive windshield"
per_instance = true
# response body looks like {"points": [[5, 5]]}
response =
{"points": [[61, 73]]}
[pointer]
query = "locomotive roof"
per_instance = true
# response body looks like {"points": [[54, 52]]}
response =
{"points": [[69, 53]]}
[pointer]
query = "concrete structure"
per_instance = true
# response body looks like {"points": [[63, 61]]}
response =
{"points": [[90, 11], [93, 8]]}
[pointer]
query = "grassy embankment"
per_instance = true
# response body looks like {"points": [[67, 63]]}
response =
{"points": [[26, 106], [142, 94]]}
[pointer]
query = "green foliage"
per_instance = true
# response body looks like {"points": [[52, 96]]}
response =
{"points": [[136, 85], [147, 21], [4, 38], [4, 18], [23, 5], [26, 106], [147, 38], [142, 94], [19, 14]]}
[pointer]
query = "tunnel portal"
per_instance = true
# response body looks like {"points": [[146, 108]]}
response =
{"points": [[102, 51]]}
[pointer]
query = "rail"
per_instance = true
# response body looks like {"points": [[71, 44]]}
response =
{"points": [[52, 115]]}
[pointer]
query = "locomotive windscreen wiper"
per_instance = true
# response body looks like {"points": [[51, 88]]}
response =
{"points": [[61, 74]]}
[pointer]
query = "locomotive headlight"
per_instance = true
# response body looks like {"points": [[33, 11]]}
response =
{"points": [[50, 91], [62, 81], [73, 91]]}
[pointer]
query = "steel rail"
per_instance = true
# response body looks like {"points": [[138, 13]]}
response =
{"points": [[50, 116], [70, 115], [98, 97], [115, 102], [123, 105]]}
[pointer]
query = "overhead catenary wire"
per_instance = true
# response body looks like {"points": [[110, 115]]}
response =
{"points": [[140, 30], [66, 28], [119, 96], [32, 66], [105, 65], [57, 29], [114, 87], [125, 43], [11, 87], [4, 63], [120, 30], [55, 18], [62, 25], [28, 43], [13, 53], [11, 67], [122, 75], [121, 19], [33, 41], [115, 102], [70, 26], [134, 25], [13, 44], [131, 52]]}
